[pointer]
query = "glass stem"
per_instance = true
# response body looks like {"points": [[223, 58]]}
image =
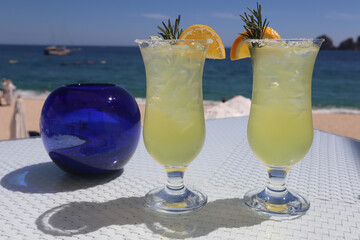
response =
{"points": [[277, 181], [175, 182]]}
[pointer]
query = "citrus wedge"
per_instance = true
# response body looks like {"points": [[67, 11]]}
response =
{"points": [[216, 49], [240, 48]]}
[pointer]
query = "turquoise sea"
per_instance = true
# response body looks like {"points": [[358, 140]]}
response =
{"points": [[335, 87]]}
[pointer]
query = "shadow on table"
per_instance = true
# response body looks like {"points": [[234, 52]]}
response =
{"points": [[86, 217], [48, 178], [355, 145]]}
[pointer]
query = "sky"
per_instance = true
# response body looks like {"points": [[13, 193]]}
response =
{"points": [[120, 22]]}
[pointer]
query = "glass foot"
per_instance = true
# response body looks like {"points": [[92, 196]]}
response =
{"points": [[168, 201], [276, 204]]}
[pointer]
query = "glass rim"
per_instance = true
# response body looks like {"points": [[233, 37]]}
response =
{"points": [[268, 40], [140, 41]]}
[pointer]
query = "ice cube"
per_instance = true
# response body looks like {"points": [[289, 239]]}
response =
{"points": [[198, 46], [274, 85], [180, 47]]}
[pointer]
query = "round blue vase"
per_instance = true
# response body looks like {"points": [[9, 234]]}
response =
{"points": [[90, 128]]}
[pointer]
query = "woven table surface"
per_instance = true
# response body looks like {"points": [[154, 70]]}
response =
{"points": [[40, 201]]}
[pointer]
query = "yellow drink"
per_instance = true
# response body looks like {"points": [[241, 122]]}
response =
{"points": [[172, 143], [174, 128], [280, 129]]}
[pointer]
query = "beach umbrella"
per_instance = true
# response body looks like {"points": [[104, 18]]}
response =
{"points": [[18, 124], [236, 107]]}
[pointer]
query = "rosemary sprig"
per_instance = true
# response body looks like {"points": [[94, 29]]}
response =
{"points": [[254, 26], [170, 31]]}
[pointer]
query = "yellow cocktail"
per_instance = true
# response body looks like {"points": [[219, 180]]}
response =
{"points": [[174, 127], [280, 129]]}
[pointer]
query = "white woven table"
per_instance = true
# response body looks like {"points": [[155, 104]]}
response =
{"points": [[40, 201]]}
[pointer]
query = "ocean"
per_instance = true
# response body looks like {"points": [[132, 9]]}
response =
{"points": [[335, 86]]}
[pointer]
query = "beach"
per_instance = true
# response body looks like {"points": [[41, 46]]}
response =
{"points": [[344, 124]]}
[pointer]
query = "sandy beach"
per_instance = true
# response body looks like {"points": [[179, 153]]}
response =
{"points": [[347, 125]]}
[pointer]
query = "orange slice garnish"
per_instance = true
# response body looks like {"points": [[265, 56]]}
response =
{"points": [[240, 48], [216, 49]]}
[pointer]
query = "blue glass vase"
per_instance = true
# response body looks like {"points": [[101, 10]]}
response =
{"points": [[90, 128]]}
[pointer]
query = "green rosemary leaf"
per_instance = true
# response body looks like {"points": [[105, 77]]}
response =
{"points": [[254, 26], [169, 31], [163, 35], [161, 29]]}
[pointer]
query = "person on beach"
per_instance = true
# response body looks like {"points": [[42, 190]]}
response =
{"points": [[8, 89], [12, 88], [3, 89]]}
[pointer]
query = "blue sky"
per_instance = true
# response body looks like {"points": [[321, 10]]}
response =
{"points": [[110, 22]]}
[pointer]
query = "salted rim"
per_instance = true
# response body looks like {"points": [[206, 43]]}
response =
{"points": [[291, 41], [154, 41]]}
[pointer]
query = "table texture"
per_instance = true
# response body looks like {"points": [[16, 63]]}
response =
{"points": [[40, 201]]}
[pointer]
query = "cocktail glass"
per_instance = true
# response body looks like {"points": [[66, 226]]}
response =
{"points": [[280, 128], [174, 126]]}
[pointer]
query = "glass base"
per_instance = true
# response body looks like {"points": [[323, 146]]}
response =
{"points": [[283, 204], [169, 201]]}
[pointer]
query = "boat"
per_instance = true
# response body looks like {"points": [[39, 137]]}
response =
{"points": [[59, 51]]}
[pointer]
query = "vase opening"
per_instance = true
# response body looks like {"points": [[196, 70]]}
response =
{"points": [[91, 85]]}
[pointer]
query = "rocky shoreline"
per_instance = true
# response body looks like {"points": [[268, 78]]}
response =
{"points": [[347, 44]]}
